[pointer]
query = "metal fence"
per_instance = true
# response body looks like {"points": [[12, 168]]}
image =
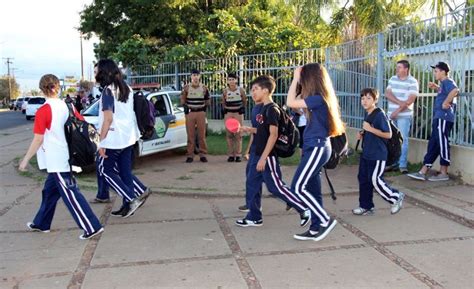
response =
{"points": [[368, 62]]}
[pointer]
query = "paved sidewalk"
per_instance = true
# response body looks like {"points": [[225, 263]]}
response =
{"points": [[184, 236]]}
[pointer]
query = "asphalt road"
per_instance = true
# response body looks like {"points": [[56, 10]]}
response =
{"points": [[11, 119]]}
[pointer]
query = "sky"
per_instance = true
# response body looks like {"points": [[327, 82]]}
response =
{"points": [[41, 38]]}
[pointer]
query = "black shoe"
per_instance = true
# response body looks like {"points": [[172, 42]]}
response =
{"points": [[288, 207], [391, 168], [35, 228], [189, 160], [244, 209], [86, 236], [238, 159], [305, 218], [203, 159], [100, 201], [317, 236], [230, 159], [249, 223], [122, 212]]}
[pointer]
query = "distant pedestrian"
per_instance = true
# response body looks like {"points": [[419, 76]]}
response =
{"points": [[401, 93], [444, 110], [50, 146]]}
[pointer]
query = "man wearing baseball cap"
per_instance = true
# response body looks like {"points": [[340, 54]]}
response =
{"points": [[443, 119]]}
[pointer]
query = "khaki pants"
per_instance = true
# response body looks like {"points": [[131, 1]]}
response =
{"points": [[197, 120], [234, 140]]}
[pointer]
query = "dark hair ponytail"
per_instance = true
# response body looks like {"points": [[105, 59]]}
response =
{"points": [[108, 73]]}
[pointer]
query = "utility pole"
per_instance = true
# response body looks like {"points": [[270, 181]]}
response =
{"points": [[8, 62], [82, 59]]}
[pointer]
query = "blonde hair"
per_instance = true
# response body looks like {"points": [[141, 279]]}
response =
{"points": [[49, 84], [315, 80]]}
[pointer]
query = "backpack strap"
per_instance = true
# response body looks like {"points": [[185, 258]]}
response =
{"points": [[68, 134], [331, 187], [371, 117]]}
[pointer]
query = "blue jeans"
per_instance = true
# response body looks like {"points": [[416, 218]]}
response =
{"points": [[404, 125]]}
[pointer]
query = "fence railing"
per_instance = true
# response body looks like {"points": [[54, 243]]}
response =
{"points": [[367, 62]]}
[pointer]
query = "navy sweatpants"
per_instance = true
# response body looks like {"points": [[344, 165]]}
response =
{"points": [[63, 185], [307, 183], [122, 180], [438, 144], [247, 177], [371, 176], [271, 176], [103, 187]]}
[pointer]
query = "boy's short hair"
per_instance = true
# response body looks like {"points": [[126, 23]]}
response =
{"points": [[405, 63], [232, 75], [265, 81], [370, 91]]}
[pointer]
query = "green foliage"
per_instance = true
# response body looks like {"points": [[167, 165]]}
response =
{"points": [[5, 84]]}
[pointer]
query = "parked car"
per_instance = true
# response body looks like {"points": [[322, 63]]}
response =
{"points": [[170, 124], [18, 103], [24, 104], [12, 104], [32, 106]]}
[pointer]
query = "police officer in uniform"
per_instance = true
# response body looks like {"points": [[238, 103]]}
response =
{"points": [[195, 99], [234, 101]]}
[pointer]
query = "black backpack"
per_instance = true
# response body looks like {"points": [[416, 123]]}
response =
{"points": [[340, 149], [141, 107], [288, 134], [394, 144], [82, 140]]}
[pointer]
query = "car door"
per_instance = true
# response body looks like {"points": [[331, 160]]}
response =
{"points": [[178, 128], [164, 117]]}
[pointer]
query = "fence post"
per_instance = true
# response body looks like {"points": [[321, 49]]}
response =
{"points": [[380, 63], [241, 71], [177, 84]]}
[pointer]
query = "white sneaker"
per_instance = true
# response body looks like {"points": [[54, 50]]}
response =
{"points": [[363, 212], [399, 204]]}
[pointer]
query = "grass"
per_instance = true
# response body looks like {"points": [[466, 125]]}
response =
{"points": [[217, 144]]}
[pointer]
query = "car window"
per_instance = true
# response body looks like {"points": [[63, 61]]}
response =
{"points": [[38, 100], [19, 99], [92, 110], [160, 106], [27, 98], [175, 98]]}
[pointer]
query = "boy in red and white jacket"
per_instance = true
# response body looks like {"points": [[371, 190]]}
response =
{"points": [[50, 146]]}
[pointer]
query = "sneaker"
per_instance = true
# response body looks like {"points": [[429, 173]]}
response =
{"points": [[121, 213], [398, 205], [288, 207], [145, 194], [100, 201], [417, 176], [305, 218], [317, 236], [244, 209], [391, 168], [438, 178], [86, 236], [134, 205], [363, 212], [249, 223], [230, 159], [238, 159], [35, 228], [203, 159], [189, 160], [404, 171]]}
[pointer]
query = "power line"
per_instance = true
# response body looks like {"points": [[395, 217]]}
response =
{"points": [[8, 62]]}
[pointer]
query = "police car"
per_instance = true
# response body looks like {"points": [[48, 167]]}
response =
{"points": [[170, 124]]}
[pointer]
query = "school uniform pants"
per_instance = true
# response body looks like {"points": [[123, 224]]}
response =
{"points": [[371, 177], [117, 171], [196, 121], [438, 145], [271, 176], [234, 140], [307, 183], [63, 185], [103, 187], [258, 200]]}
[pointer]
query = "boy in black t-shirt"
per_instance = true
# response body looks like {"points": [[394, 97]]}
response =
{"points": [[376, 131], [265, 166]]}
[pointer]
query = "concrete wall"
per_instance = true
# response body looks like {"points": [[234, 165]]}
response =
{"points": [[462, 158]]}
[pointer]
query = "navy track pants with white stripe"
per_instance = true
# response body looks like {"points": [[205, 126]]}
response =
{"points": [[103, 187], [371, 177], [438, 144], [307, 183], [63, 185], [122, 180], [271, 176]]}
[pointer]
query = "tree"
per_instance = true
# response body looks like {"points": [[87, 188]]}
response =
{"points": [[5, 84], [34, 92]]}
